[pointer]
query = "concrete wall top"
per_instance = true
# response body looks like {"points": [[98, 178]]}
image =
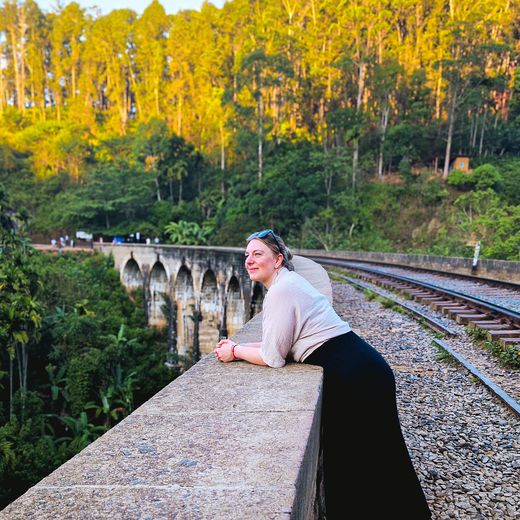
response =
{"points": [[223, 441]]}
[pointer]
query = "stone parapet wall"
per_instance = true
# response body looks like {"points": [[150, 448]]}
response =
{"points": [[491, 269]]}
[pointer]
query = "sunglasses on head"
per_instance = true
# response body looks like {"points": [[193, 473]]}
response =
{"points": [[259, 234], [263, 234]]}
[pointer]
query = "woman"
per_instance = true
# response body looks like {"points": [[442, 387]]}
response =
{"points": [[368, 473]]}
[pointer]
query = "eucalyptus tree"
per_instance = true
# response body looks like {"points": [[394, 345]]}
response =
{"points": [[149, 61], [466, 66], [364, 24], [14, 23], [37, 35], [260, 73], [108, 82], [69, 29]]}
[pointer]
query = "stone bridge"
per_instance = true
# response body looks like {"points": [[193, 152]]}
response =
{"points": [[201, 294]]}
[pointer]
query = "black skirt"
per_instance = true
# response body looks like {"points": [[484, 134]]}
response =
{"points": [[368, 473]]}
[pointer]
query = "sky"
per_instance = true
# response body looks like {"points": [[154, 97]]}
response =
{"points": [[170, 6]]}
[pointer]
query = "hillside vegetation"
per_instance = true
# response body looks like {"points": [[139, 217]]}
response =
{"points": [[298, 115]]}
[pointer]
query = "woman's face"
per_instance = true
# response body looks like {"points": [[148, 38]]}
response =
{"points": [[261, 263]]}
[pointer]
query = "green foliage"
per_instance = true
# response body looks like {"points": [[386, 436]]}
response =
{"points": [[460, 179], [486, 176], [443, 355], [81, 379], [93, 360], [483, 177], [187, 233], [405, 169], [508, 355]]}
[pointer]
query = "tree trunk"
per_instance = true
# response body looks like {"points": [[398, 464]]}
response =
{"points": [[384, 125], [10, 388], [22, 359], [16, 67], [481, 142], [179, 116], [157, 187], [359, 101], [355, 162], [321, 119], [23, 27], [260, 136], [438, 95], [451, 123], [474, 131], [222, 147]]}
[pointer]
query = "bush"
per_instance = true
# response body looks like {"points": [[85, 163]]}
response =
{"points": [[460, 179]]}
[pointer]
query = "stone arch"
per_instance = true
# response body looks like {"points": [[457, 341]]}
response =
{"points": [[209, 307], [235, 317], [257, 299], [158, 286], [185, 300], [132, 276]]}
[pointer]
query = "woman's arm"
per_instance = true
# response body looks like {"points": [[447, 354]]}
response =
{"points": [[227, 351], [253, 344], [249, 352]]}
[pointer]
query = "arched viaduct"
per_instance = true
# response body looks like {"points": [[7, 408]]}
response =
{"points": [[199, 293]]}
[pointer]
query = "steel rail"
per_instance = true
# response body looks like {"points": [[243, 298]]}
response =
{"points": [[481, 303], [431, 322], [509, 401], [495, 389]]}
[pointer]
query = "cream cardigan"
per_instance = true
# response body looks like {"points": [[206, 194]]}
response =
{"points": [[296, 320]]}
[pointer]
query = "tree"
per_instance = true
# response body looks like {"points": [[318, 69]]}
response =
{"points": [[20, 310], [149, 60], [69, 28], [186, 233]]}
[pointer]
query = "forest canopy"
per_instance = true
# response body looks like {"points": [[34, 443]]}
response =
{"points": [[302, 115]]}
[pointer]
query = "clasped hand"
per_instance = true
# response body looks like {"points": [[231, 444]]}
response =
{"points": [[224, 350]]}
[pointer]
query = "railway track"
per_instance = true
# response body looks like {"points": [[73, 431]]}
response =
{"points": [[490, 310]]}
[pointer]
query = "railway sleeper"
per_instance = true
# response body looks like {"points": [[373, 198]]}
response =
{"points": [[465, 319], [437, 306], [508, 342], [451, 311], [454, 313], [480, 323], [495, 335], [495, 326], [420, 296], [427, 299], [440, 306]]}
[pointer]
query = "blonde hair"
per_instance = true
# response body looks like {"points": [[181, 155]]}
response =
{"points": [[276, 244]]}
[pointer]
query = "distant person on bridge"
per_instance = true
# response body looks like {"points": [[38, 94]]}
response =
{"points": [[368, 473]]}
